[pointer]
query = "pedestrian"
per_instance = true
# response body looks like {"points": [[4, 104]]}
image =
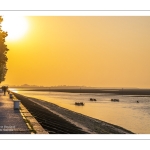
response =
{"points": [[8, 91], [4, 88]]}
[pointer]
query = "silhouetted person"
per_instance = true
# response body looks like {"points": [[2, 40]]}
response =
{"points": [[8, 91], [4, 88]]}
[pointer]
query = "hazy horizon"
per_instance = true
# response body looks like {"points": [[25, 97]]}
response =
{"points": [[69, 86], [92, 51]]}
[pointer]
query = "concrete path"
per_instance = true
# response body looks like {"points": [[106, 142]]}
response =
{"points": [[11, 121]]}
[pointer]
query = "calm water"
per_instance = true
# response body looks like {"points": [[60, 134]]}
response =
{"points": [[126, 113]]}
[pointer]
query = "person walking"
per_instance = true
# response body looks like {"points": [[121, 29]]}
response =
{"points": [[4, 89]]}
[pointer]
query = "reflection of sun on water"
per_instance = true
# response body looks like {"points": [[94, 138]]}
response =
{"points": [[16, 26], [14, 90]]}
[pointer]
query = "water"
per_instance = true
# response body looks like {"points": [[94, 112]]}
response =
{"points": [[126, 113]]}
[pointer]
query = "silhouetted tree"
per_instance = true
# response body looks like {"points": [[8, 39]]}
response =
{"points": [[3, 52]]}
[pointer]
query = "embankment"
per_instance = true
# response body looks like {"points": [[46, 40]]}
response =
{"points": [[58, 120]]}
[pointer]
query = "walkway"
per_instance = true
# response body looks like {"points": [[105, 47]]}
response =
{"points": [[11, 121]]}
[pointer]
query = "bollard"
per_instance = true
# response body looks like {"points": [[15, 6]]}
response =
{"points": [[10, 96], [16, 104]]}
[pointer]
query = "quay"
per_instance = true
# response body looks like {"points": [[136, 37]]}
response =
{"points": [[17, 121], [35, 116]]}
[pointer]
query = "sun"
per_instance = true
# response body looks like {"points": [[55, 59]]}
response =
{"points": [[16, 26]]}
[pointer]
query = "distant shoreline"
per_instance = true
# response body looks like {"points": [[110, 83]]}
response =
{"points": [[136, 92]]}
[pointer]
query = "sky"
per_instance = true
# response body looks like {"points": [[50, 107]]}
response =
{"points": [[96, 51]]}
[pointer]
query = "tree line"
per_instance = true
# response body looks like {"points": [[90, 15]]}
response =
{"points": [[3, 52]]}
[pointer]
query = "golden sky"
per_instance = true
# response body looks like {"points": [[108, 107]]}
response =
{"points": [[98, 51]]}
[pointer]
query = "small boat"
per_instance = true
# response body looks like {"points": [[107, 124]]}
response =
{"points": [[92, 99], [79, 103], [115, 100]]}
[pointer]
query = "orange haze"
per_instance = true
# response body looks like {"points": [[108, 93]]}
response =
{"points": [[91, 51]]}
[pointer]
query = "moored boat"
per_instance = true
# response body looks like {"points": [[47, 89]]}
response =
{"points": [[92, 99], [115, 100], [79, 103]]}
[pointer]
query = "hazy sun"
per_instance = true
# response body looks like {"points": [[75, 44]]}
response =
{"points": [[16, 26]]}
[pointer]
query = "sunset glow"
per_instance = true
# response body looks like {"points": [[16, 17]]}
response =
{"points": [[96, 51], [16, 26]]}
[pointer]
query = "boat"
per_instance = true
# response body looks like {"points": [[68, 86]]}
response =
{"points": [[92, 99], [115, 100], [79, 103]]}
